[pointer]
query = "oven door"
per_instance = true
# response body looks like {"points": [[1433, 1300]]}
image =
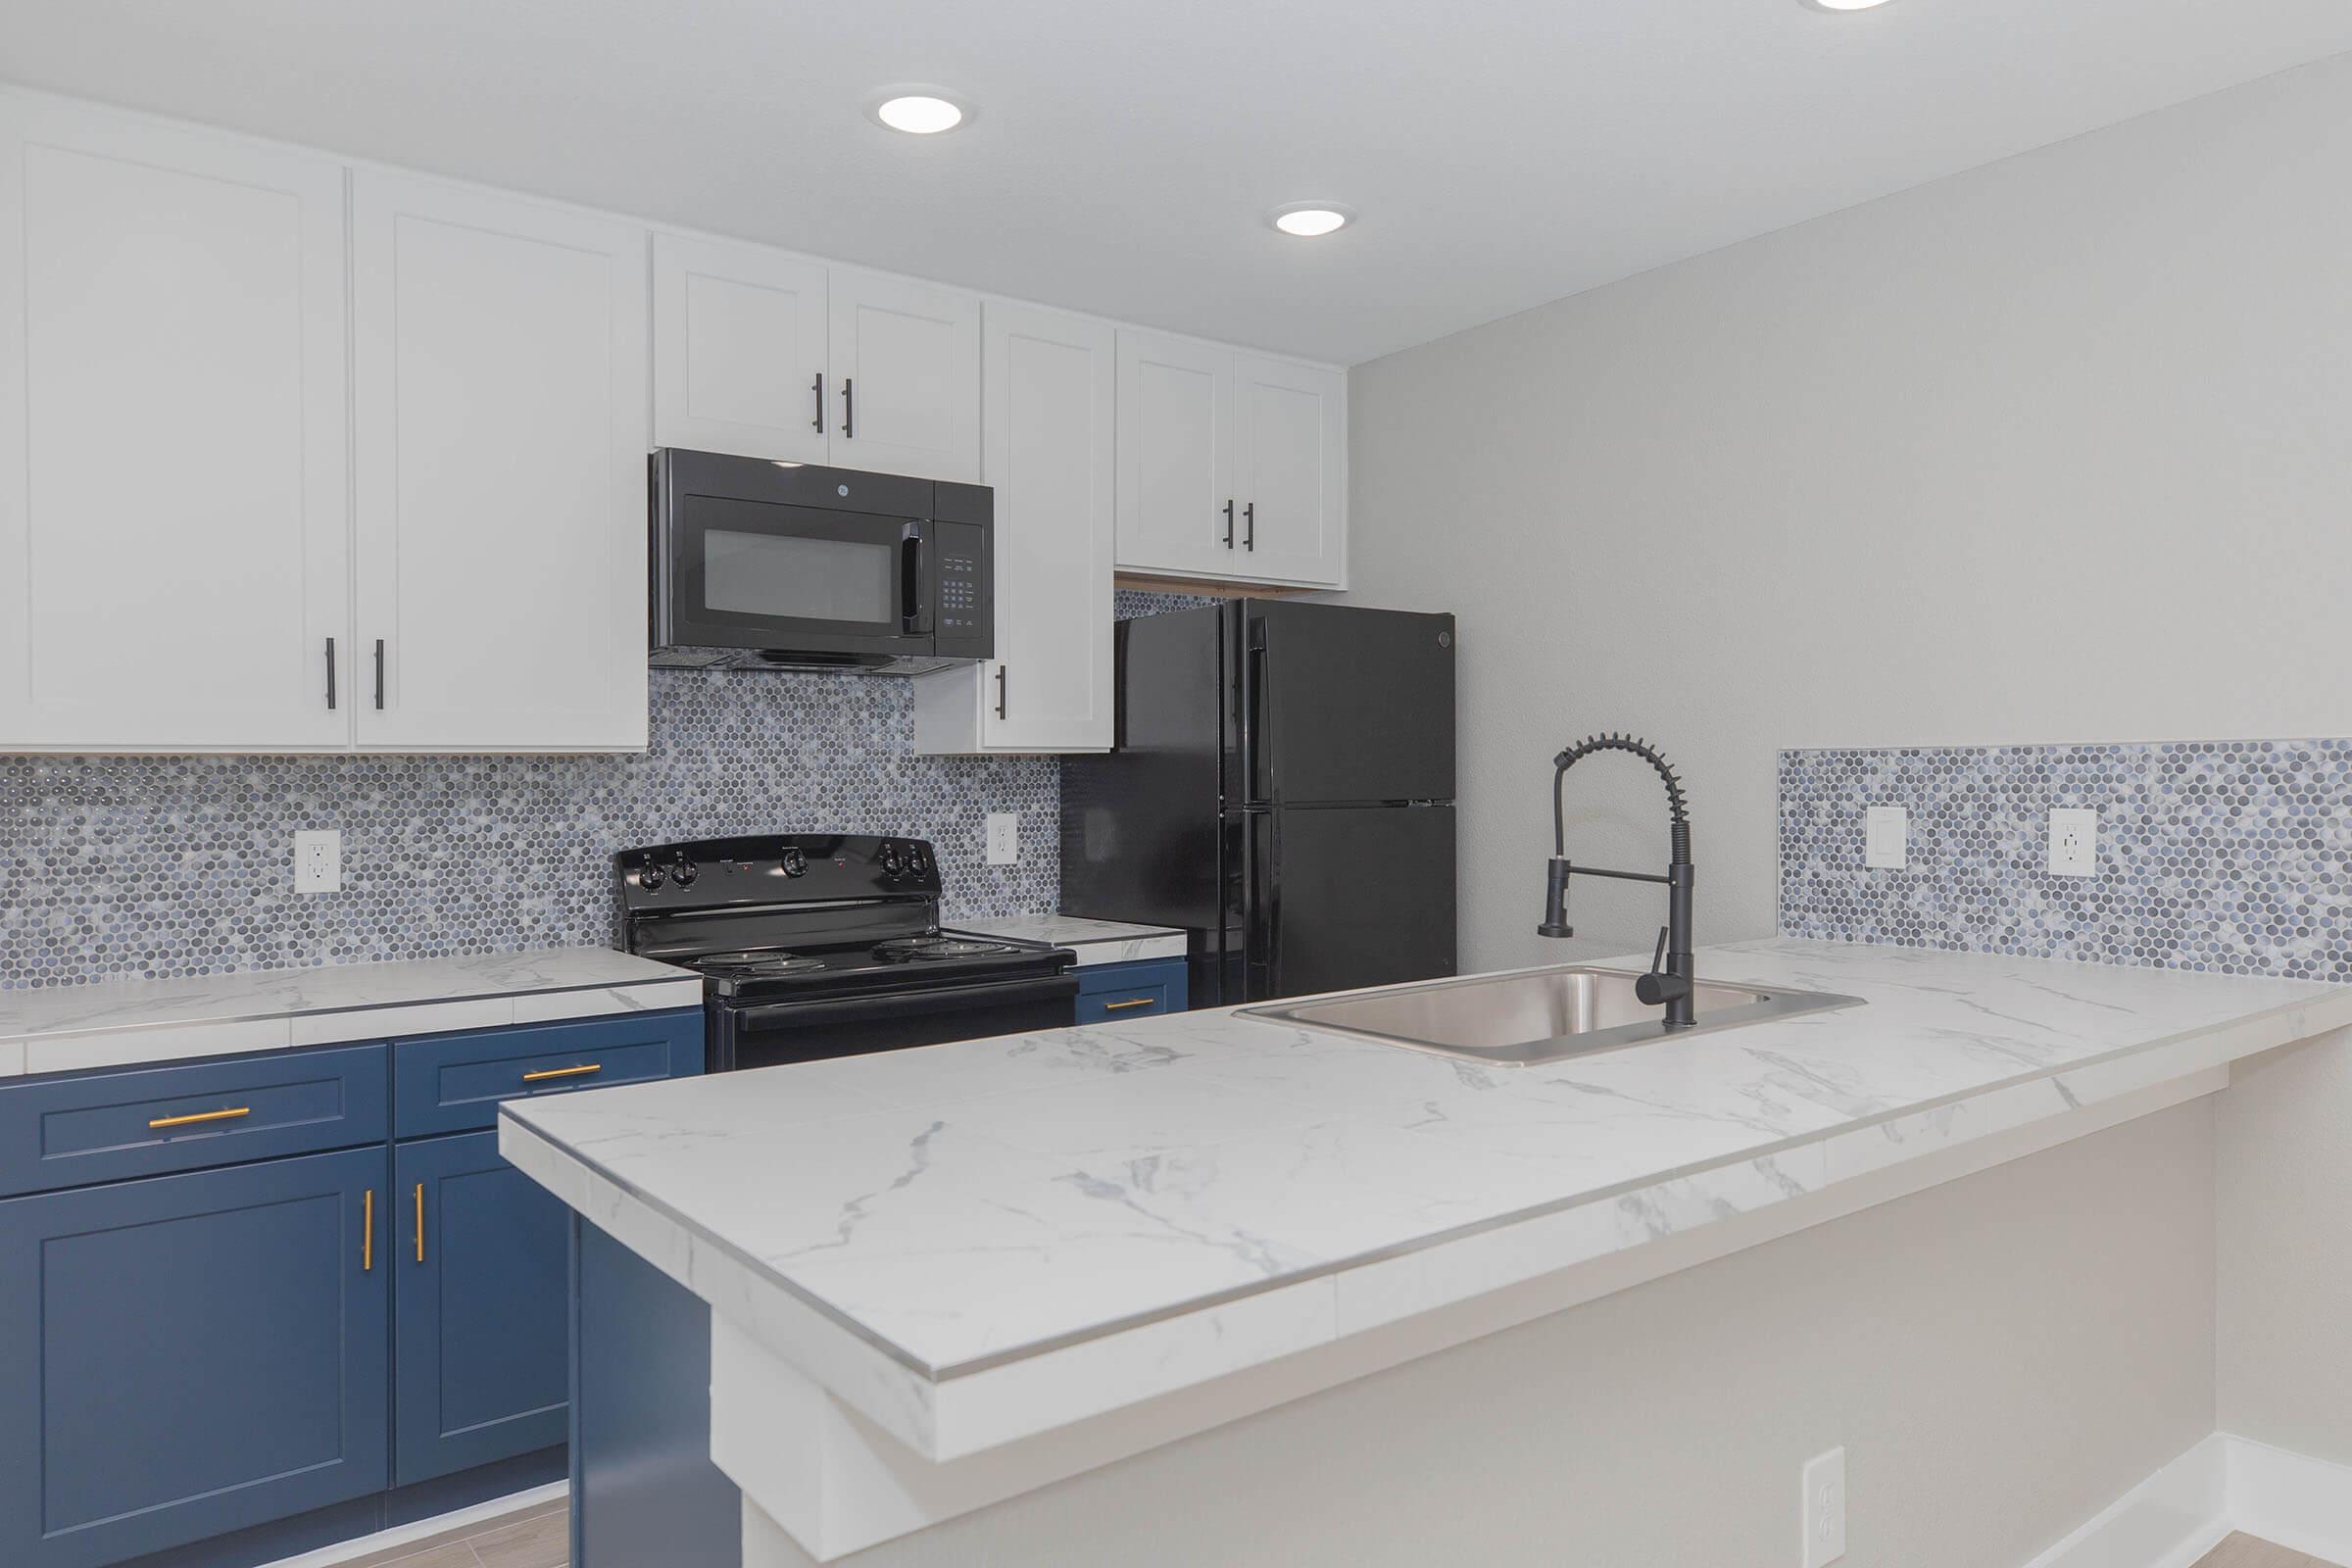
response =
{"points": [[747, 555], [771, 1034]]}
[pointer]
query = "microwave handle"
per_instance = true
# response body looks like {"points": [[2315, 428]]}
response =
{"points": [[915, 579]]}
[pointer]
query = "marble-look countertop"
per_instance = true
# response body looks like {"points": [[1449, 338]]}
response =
{"points": [[972, 1243], [70, 1028], [1094, 941]]}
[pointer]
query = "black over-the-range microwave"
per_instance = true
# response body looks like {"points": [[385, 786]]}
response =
{"points": [[760, 564]]}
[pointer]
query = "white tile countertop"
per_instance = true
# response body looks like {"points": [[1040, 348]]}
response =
{"points": [[973, 1243], [1094, 941], [121, 1023]]}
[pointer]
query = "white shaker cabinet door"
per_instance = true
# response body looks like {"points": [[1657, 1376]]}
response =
{"points": [[500, 415], [1051, 381], [906, 369], [1289, 424], [172, 506], [739, 350], [1177, 512]]}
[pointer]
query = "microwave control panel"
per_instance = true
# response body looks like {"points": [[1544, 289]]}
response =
{"points": [[963, 603]]}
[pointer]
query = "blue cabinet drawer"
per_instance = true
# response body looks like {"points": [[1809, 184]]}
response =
{"points": [[150, 1121], [191, 1354], [452, 1083], [1113, 991]]}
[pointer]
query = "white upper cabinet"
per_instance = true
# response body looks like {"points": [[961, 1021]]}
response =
{"points": [[739, 350], [905, 364], [1176, 507], [173, 513], [1231, 467], [1051, 390], [1289, 469], [499, 379]]}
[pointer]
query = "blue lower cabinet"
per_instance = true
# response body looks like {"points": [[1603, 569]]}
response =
{"points": [[1109, 992], [185, 1355], [481, 1265]]}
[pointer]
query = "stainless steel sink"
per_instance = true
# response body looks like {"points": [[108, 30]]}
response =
{"points": [[1538, 1015]]}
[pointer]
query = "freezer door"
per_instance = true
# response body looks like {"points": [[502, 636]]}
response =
{"points": [[1341, 897], [1346, 704]]}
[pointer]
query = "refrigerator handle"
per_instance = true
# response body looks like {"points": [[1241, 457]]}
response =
{"points": [[1254, 698]]}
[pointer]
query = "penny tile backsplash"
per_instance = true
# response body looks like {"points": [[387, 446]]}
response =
{"points": [[163, 866], [2234, 857]]}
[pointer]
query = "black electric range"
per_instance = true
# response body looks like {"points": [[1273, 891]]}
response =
{"points": [[828, 945]]}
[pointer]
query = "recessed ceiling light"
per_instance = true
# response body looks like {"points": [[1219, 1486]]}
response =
{"points": [[1843, 5], [1307, 220], [919, 113]]}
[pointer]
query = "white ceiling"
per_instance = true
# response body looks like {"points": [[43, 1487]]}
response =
{"points": [[1500, 153]]}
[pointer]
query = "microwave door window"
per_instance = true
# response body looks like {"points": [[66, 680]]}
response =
{"points": [[796, 577]]}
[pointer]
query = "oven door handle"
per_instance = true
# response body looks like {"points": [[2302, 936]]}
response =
{"points": [[776, 1017]]}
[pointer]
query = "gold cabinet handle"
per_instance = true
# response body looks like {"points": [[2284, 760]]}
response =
{"points": [[563, 1072], [1121, 1006], [368, 1232], [202, 1115], [420, 1222]]}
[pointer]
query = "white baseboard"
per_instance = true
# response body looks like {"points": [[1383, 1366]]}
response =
{"points": [[2222, 1486], [2291, 1500], [481, 1513], [2170, 1520]]}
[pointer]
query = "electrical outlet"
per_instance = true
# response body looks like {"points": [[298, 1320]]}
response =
{"points": [[1825, 1508], [319, 861], [2074, 841], [1886, 837], [1004, 838]]}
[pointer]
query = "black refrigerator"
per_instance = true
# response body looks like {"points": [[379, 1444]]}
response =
{"points": [[1282, 789]]}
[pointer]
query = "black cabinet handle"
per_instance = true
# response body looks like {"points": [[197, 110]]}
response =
{"points": [[1000, 691], [849, 411], [330, 674], [1229, 526], [1250, 517], [817, 386], [380, 674]]}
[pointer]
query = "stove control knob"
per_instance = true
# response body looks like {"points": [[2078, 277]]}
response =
{"points": [[918, 864], [795, 863], [890, 859], [684, 871], [650, 878]]}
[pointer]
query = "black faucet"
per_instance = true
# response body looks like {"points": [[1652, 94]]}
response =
{"points": [[1671, 971]]}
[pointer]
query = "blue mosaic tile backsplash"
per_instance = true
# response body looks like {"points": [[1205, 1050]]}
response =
{"points": [[2234, 857], [162, 866]]}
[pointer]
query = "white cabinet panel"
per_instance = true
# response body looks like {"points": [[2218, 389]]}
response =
{"points": [[1176, 499], [500, 413], [739, 350], [1050, 391], [1289, 461], [172, 511], [906, 357]]}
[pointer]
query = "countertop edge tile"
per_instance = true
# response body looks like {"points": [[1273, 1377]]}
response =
{"points": [[12, 1058]]}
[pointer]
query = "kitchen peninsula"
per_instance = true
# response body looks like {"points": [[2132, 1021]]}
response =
{"points": [[943, 1277]]}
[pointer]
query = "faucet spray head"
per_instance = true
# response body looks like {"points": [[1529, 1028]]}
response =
{"points": [[1556, 902]]}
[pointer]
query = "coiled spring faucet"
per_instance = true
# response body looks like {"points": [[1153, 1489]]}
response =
{"points": [[1672, 972]]}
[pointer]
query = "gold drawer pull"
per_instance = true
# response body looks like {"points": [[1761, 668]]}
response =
{"points": [[1121, 1006], [368, 1232], [563, 1072], [420, 1222], [202, 1115]]}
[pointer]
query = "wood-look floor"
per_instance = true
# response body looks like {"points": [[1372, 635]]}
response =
{"points": [[2244, 1552], [535, 1538]]}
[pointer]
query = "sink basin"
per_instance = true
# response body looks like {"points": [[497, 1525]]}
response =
{"points": [[1538, 1015]]}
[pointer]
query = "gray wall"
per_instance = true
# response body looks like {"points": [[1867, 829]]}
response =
{"points": [[1994, 1354], [2057, 450]]}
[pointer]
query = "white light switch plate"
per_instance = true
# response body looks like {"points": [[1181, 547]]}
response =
{"points": [[1004, 839], [1825, 1508], [1886, 837], [2074, 841], [319, 861]]}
